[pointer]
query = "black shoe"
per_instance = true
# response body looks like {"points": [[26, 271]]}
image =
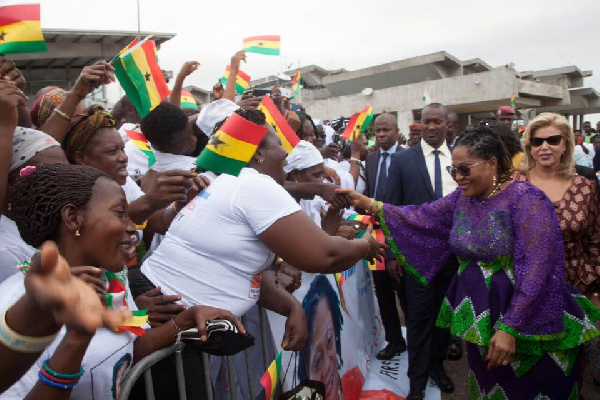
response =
{"points": [[442, 380], [415, 395], [455, 351], [392, 348]]}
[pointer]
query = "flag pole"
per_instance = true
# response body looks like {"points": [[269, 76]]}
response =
{"points": [[299, 85], [139, 36]]}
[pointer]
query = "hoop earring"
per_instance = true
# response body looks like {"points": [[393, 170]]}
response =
{"points": [[77, 233], [494, 180]]}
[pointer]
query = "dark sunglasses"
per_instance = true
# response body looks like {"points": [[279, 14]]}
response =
{"points": [[463, 170], [553, 140]]}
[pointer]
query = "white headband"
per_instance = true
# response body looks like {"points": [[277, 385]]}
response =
{"points": [[303, 156]]}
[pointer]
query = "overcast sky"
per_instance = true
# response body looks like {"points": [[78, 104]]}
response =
{"points": [[351, 34]]}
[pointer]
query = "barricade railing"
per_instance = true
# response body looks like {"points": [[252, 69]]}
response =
{"points": [[144, 367]]}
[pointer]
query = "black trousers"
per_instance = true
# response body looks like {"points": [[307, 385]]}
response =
{"points": [[427, 344], [385, 290], [163, 372]]}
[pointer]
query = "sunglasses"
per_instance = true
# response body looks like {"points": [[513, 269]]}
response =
{"points": [[463, 170], [553, 140]]}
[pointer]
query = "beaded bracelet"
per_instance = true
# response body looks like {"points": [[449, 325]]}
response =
{"points": [[57, 385], [60, 375], [57, 380], [62, 115], [20, 343]]}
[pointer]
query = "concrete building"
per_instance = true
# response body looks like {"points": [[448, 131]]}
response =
{"points": [[68, 52], [472, 88]]}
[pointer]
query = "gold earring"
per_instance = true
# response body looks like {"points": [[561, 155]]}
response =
{"points": [[261, 160], [9, 206], [77, 233], [494, 180]]}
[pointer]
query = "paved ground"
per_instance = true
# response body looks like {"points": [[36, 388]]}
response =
{"points": [[458, 371]]}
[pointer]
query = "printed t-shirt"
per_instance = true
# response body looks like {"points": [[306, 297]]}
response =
{"points": [[212, 250]]}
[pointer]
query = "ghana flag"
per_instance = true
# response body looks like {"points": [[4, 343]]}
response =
{"points": [[286, 134], [141, 143], [242, 79], [270, 379], [268, 45], [232, 146], [140, 76], [296, 83], [20, 29], [188, 101], [358, 123]]}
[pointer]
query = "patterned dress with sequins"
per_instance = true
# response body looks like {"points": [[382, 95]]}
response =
{"points": [[579, 217], [511, 278]]}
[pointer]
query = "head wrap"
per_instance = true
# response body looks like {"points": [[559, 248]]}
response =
{"points": [[27, 143], [505, 111], [303, 156], [84, 129], [415, 127], [46, 103], [188, 101], [214, 113]]}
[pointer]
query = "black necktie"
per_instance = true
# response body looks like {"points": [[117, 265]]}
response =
{"points": [[382, 182], [439, 193]]}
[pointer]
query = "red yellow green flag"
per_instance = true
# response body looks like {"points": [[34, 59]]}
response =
{"points": [[296, 82], [377, 234], [232, 146], [286, 134], [358, 123], [242, 79], [20, 29], [513, 99], [188, 101], [271, 378], [116, 298], [142, 144], [339, 281], [268, 45], [140, 76]]}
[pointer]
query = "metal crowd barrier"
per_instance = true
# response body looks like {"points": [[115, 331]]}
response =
{"points": [[143, 367]]}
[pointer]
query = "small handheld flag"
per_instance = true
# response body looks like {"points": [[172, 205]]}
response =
{"points": [[296, 82], [142, 144], [20, 29], [270, 379], [377, 234], [242, 80], [232, 146], [286, 134], [138, 72], [513, 99], [268, 45], [358, 123]]}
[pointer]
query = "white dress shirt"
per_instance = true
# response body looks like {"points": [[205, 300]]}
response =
{"points": [[448, 184]]}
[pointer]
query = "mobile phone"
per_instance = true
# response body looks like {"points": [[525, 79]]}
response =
{"points": [[260, 92], [336, 137]]}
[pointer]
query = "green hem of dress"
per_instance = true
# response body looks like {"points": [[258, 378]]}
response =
{"points": [[399, 256]]}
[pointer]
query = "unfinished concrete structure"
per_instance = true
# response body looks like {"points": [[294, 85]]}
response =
{"points": [[472, 88]]}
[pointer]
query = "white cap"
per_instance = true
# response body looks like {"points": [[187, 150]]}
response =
{"points": [[303, 156], [214, 113]]}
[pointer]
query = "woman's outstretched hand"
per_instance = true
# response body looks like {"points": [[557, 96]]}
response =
{"points": [[68, 299], [358, 200]]}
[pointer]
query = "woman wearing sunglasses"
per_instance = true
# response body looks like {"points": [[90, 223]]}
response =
{"points": [[550, 165], [522, 323]]}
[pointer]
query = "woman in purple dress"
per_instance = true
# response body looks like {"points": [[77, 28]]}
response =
{"points": [[523, 324]]}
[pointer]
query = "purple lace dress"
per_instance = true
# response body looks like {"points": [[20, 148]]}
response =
{"points": [[511, 278]]}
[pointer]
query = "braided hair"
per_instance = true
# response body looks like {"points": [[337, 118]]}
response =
{"points": [[38, 199], [85, 127], [484, 143]]}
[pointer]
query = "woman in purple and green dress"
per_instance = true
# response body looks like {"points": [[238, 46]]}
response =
{"points": [[523, 324]]}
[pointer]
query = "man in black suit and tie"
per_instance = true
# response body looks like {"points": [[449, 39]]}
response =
{"points": [[377, 165], [418, 175]]}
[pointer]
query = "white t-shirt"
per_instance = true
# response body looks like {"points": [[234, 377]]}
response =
{"points": [[360, 183], [107, 359], [13, 249], [212, 254], [137, 163], [313, 208], [132, 190], [346, 180], [168, 161]]}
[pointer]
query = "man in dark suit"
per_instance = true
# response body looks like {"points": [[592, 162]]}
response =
{"points": [[377, 165], [418, 175]]}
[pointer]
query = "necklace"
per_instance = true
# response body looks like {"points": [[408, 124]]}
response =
{"points": [[496, 190]]}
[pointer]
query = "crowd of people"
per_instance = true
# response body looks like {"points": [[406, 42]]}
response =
{"points": [[493, 239]]}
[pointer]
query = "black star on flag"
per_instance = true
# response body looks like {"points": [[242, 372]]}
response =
{"points": [[215, 141], [2, 35], [147, 76], [260, 44]]}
